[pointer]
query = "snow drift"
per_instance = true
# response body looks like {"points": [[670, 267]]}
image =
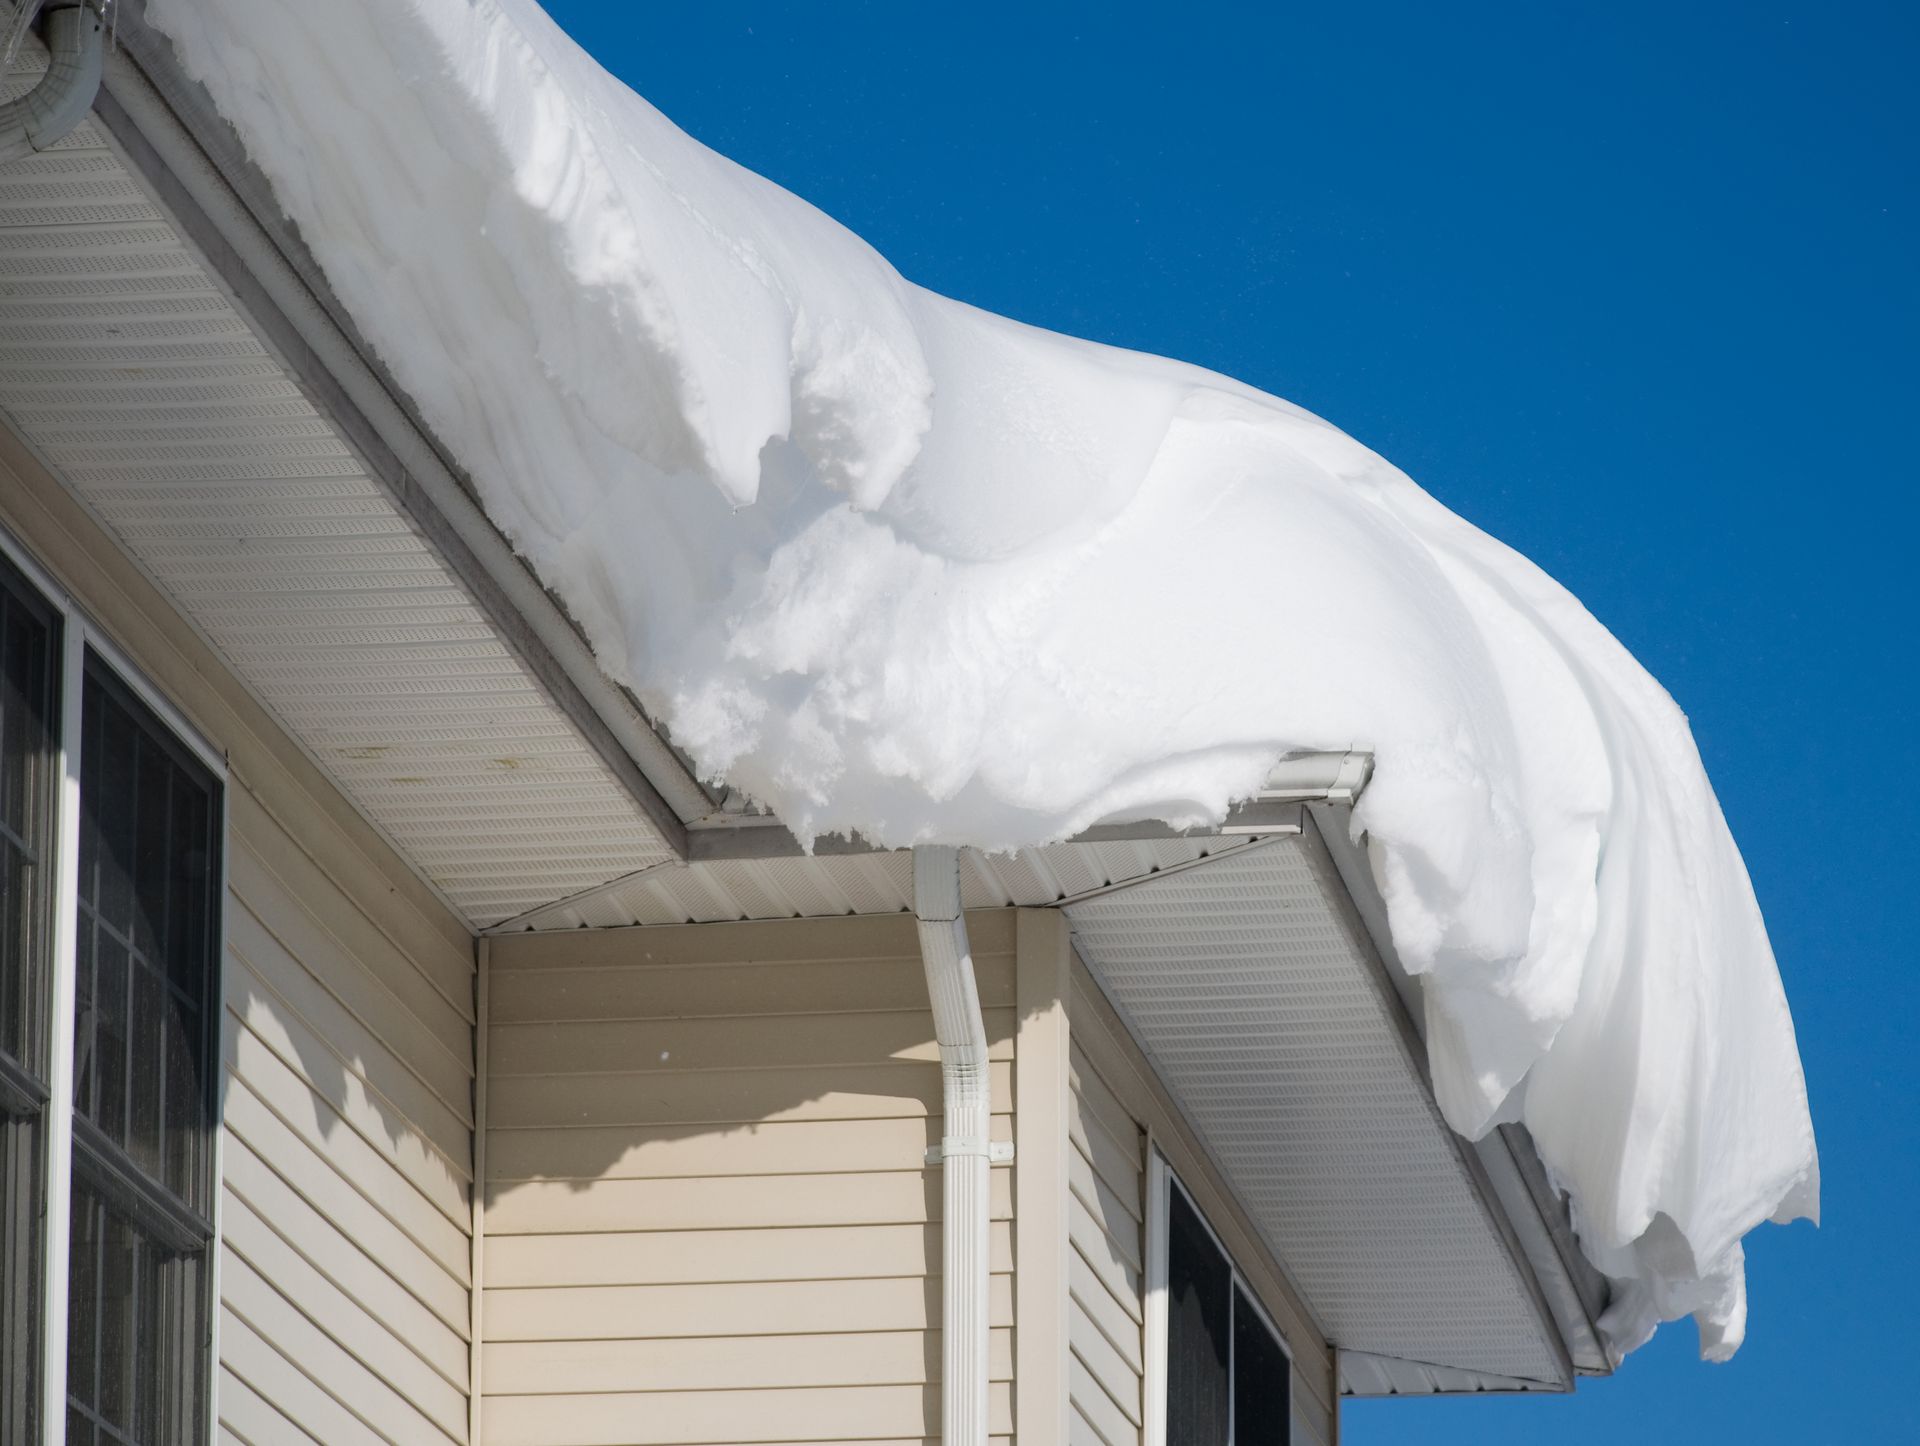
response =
{"points": [[892, 564]]}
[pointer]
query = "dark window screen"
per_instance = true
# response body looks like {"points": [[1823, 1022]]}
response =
{"points": [[1228, 1379], [135, 1332], [144, 1077], [1261, 1385], [29, 653], [1199, 1309], [148, 869], [23, 1198]]}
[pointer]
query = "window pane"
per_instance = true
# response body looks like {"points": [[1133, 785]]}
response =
{"points": [[144, 1078], [144, 1071], [28, 649], [21, 1200], [29, 653], [136, 1331], [1261, 1386], [1199, 1286]]}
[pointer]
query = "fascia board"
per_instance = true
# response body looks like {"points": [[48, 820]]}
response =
{"points": [[1514, 1182]]}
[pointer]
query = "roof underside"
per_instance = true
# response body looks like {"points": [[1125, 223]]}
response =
{"points": [[237, 481], [126, 365], [1255, 995]]}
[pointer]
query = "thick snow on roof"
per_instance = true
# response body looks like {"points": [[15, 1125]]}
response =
{"points": [[892, 564]]}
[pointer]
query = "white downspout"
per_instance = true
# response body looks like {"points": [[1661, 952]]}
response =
{"points": [[45, 114], [965, 1153]]}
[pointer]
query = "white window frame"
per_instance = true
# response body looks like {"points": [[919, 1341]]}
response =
{"points": [[80, 635], [1162, 1181]]}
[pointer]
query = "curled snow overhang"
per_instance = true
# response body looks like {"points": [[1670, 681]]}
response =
{"points": [[877, 560]]}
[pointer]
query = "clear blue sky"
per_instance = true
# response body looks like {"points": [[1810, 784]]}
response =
{"points": [[1632, 286]]}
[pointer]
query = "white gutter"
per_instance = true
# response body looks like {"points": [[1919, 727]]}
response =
{"points": [[965, 1152], [46, 114]]}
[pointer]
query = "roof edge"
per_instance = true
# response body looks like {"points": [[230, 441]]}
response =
{"points": [[167, 127], [1365, 1374], [1513, 1181]]}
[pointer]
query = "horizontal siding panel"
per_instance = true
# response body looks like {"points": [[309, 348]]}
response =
{"points": [[400, 1057], [1116, 1319], [1092, 1094], [363, 1137], [897, 1197], [1312, 1422], [344, 1261], [1117, 1376], [1109, 1423], [412, 922], [1118, 1216], [1080, 1430], [751, 1041], [838, 1252], [873, 936], [709, 1214], [697, 990], [248, 1417], [1105, 1253], [314, 1056], [383, 1411], [703, 1418], [351, 1159], [1119, 1166], [293, 1393], [908, 1089], [344, 1321], [753, 1308], [283, 884], [625, 1153], [1105, 1205], [1124, 1237], [727, 1363], [382, 988], [425, 1255]]}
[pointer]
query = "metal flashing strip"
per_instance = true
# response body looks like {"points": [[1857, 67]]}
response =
{"points": [[169, 130], [1362, 1373], [829, 885], [733, 833], [767, 838], [742, 864]]}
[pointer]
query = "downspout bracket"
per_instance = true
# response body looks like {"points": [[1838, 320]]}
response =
{"points": [[998, 1152]]}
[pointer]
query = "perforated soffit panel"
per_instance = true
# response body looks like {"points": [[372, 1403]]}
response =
{"points": [[127, 368], [1256, 1002]]}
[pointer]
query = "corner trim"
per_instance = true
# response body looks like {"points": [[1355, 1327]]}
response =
{"points": [[1043, 978]]}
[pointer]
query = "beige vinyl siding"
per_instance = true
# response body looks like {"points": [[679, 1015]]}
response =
{"points": [[347, 1052], [708, 1212], [1119, 1110], [1106, 1208], [344, 1215]]}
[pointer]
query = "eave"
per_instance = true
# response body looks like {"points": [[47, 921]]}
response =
{"points": [[499, 841]]}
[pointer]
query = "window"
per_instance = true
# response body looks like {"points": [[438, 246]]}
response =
{"points": [[110, 876], [29, 654], [1219, 1374]]}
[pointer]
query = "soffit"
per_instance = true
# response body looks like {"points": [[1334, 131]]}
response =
{"points": [[128, 368], [1255, 996], [827, 885]]}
